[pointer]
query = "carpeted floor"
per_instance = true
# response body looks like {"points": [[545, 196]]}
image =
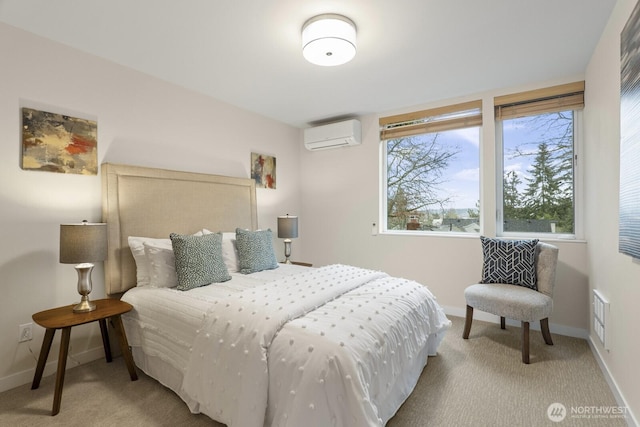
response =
{"points": [[475, 382]]}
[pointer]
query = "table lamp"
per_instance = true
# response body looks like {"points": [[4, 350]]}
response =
{"points": [[287, 229], [83, 243]]}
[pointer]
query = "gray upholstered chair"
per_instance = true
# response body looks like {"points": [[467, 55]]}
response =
{"points": [[518, 302]]}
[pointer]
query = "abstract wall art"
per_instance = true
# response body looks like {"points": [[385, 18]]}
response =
{"points": [[54, 142], [263, 170]]}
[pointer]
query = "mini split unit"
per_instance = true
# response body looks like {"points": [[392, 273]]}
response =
{"points": [[333, 135]]}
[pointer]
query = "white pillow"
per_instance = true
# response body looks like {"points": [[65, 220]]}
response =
{"points": [[229, 250], [136, 244], [162, 264]]}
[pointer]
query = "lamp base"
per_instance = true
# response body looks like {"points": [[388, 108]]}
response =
{"points": [[84, 288], [84, 306], [287, 251]]}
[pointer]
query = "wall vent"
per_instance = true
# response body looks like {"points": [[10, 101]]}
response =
{"points": [[601, 317]]}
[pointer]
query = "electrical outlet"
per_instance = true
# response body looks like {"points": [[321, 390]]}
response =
{"points": [[25, 332]]}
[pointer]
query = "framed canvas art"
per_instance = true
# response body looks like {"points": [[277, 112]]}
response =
{"points": [[54, 142], [263, 170]]}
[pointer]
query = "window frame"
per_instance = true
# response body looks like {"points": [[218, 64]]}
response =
{"points": [[563, 97], [421, 120], [577, 186], [491, 167]]}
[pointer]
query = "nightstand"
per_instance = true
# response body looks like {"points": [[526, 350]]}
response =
{"points": [[64, 318], [304, 264]]}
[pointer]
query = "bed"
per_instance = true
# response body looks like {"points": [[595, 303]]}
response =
{"points": [[286, 345]]}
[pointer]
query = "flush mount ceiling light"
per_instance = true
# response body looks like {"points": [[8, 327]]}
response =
{"points": [[329, 40]]}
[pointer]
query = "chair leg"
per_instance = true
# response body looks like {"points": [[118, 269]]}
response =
{"points": [[467, 322], [544, 328], [525, 342], [502, 325]]}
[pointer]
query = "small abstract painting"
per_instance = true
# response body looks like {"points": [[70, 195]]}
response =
{"points": [[54, 142], [263, 170]]}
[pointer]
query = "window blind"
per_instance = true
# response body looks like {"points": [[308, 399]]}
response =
{"points": [[439, 119], [548, 100]]}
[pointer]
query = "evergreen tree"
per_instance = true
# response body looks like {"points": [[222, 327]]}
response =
{"points": [[511, 197], [542, 196]]}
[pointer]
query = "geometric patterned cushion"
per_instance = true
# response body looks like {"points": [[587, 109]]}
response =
{"points": [[509, 261], [198, 260], [255, 251]]}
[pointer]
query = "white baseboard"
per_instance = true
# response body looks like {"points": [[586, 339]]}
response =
{"points": [[73, 360], [554, 328], [632, 421]]}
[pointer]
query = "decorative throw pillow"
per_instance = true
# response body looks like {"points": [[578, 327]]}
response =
{"points": [[255, 251], [229, 250], [509, 261], [198, 260]]}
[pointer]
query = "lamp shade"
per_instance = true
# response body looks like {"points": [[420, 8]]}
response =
{"points": [[329, 40], [287, 227], [83, 242]]}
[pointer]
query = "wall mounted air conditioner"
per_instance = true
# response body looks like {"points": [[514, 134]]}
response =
{"points": [[333, 135]]}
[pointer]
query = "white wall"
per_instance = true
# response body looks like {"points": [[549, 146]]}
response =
{"points": [[617, 276], [341, 192], [141, 121]]}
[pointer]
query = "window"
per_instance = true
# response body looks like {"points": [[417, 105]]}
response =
{"points": [[536, 134], [431, 169]]}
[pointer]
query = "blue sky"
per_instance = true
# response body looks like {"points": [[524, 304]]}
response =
{"points": [[463, 174]]}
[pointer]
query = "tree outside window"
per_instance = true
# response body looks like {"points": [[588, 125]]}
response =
{"points": [[432, 181], [538, 173], [431, 165]]}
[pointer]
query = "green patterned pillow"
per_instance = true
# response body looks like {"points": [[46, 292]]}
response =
{"points": [[199, 260], [255, 251]]}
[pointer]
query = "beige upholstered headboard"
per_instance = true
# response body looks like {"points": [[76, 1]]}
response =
{"points": [[147, 202]]}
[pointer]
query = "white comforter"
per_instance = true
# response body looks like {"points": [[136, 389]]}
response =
{"points": [[291, 353]]}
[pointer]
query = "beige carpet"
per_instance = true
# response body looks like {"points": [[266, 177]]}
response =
{"points": [[475, 382]]}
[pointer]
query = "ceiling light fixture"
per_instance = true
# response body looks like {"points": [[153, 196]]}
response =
{"points": [[329, 40]]}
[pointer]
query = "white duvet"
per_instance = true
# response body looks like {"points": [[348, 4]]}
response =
{"points": [[336, 345]]}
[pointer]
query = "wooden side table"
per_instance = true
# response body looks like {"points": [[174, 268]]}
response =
{"points": [[304, 264], [64, 318]]}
